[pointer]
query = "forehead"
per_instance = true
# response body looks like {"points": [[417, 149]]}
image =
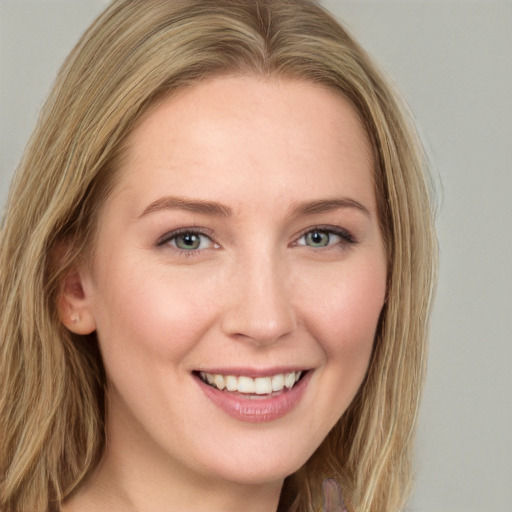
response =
{"points": [[235, 130]]}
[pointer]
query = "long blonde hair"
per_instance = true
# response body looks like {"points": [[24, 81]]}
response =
{"points": [[52, 382]]}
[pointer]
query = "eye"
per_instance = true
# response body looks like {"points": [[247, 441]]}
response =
{"points": [[187, 240], [317, 239], [320, 238]]}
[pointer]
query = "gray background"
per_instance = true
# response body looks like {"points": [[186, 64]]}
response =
{"points": [[453, 62]]}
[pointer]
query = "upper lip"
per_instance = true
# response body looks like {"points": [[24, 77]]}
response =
{"points": [[252, 372]]}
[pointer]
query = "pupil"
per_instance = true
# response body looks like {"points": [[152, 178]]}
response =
{"points": [[318, 238], [189, 240]]}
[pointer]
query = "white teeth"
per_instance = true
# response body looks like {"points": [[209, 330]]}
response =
{"points": [[289, 380], [263, 385], [231, 383], [248, 385], [245, 385], [278, 382], [219, 382]]}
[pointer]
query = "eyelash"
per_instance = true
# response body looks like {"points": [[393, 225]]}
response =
{"points": [[167, 239], [346, 237]]}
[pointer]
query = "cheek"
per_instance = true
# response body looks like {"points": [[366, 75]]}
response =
{"points": [[150, 316], [342, 315], [344, 312]]}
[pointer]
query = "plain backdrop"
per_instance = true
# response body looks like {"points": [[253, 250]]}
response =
{"points": [[453, 62]]}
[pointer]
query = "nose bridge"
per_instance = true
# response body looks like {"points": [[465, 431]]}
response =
{"points": [[260, 308]]}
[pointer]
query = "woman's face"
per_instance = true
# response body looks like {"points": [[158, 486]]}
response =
{"points": [[239, 252]]}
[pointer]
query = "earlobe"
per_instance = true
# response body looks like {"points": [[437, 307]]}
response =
{"points": [[73, 307]]}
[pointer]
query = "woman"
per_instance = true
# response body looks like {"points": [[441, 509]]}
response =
{"points": [[216, 267]]}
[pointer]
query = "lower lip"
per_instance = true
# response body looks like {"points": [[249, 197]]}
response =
{"points": [[258, 409]]}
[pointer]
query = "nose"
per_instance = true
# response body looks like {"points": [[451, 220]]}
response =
{"points": [[259, 308]]}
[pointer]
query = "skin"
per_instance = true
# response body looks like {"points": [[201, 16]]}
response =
{"points": [[256, 293]]}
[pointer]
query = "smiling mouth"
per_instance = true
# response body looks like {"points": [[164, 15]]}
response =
{"points": [[252, 386]]}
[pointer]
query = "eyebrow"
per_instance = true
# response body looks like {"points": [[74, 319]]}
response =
{"points": [[191, 205], [328, 205], [218, 209]]}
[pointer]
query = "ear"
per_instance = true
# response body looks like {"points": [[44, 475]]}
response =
{"points": [[73, 307]]}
